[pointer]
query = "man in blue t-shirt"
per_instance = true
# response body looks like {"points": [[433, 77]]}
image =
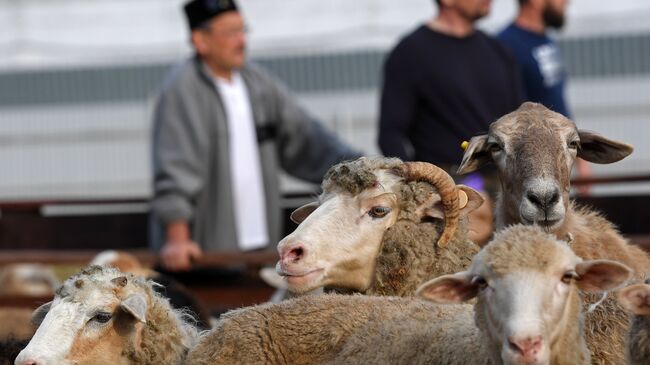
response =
{"points": [[542, 68], [543, 71]]}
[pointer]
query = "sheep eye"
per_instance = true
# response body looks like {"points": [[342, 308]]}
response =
{"points": [[102, 317], [378, 212], [574, 145], [480, 282], [569, 276]]}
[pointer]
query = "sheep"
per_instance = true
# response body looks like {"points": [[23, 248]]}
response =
{"points": [[313, 329], [636, 299], [103, 316], [534, 149], [528, 268], [375, 226], [28, 280], [180, 297]]}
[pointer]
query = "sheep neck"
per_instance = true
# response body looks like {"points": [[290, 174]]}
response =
{"points": [[409, 255]]}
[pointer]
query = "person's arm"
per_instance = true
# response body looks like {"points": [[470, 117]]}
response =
{"points": [[397, 109], [179, 147], [307, 150]]}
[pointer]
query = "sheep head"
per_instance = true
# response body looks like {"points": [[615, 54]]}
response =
{"points": [[527, 285], [94, 317], [534, 150], [339, 237]]}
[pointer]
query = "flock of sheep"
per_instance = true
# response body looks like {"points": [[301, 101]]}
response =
{"points": [[388, 241]]}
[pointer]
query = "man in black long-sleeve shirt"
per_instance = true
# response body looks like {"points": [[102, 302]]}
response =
{"points": [[444, 83]]}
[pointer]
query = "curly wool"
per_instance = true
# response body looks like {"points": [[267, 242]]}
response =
{"points": [[166, 337], [409, 254], [315, 329], [355, 176]]}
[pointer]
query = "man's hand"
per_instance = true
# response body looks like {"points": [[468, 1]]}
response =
{"points": [[177, 256], [179, 250]]}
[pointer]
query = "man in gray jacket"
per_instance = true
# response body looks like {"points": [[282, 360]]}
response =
{"points": [[222, 130]]}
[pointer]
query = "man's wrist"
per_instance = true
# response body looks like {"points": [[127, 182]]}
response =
{"points": [[178, 233]]}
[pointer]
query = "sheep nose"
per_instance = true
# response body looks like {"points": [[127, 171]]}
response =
{"points": [[292, 254], [527, 347], [544, 198]]}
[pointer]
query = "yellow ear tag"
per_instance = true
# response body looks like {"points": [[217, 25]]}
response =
{"points": [[462, 199], [464, 145]]}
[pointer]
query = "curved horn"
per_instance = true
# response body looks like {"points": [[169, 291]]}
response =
{"points": [[446, 186]]}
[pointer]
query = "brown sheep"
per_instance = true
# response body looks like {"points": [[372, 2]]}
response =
{"points": [[534, 150], [315, 329]]}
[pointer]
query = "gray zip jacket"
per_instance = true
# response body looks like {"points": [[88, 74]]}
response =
{"points": [[191, 162]]}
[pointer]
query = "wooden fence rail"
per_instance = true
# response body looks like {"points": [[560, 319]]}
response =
{"points": [[53, 257]]}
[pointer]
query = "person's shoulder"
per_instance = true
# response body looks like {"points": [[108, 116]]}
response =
{"points": [[182, 75], [408, 47], [411, 41], [497, 46], [256, 71], [507, 34]]}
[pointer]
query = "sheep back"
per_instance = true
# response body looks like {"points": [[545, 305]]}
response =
{"points": [[422, 334], [306, 330]]}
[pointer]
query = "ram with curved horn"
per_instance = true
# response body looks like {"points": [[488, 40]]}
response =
{"points": [[381, 226]]}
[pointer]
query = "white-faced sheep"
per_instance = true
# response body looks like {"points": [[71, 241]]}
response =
{"points": [[527, 284], [534, 150], [528, 309], [103, 316], [375, 226], [636, 299]]}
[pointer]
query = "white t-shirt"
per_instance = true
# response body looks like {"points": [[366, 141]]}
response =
{"points": [[246, 170]]}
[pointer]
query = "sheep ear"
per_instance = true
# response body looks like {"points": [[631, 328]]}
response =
{"points": [[636, 299], [598, 149], [39, 313], [303, 212], [472, 198], [601, 275], [136, 305], [476, 155], [448, 289]]}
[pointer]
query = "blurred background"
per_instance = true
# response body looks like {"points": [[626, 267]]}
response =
{"points": [[78, 79]]}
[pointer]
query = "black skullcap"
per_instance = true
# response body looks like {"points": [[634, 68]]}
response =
{"points": [[198, 11]]}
